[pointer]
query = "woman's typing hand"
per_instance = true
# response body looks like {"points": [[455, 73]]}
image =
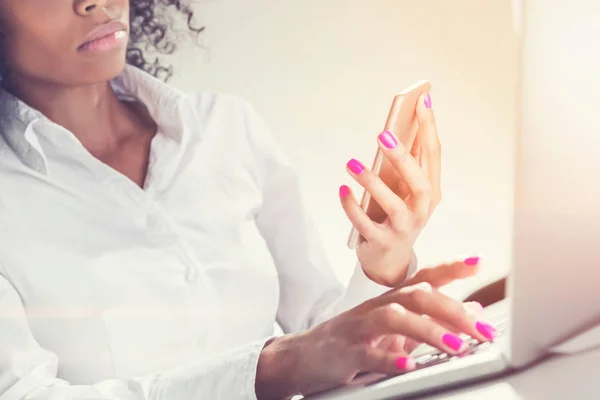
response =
{"points": [[334, 352], [386, 252], [438, 277]]}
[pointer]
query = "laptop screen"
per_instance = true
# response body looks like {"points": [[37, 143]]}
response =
{"points": [[556, 269]]}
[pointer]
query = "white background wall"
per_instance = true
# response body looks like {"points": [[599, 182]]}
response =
{"points": [[323, 72]]}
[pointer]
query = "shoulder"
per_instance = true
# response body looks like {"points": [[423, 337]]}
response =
{"points": [[232, 121], [223, 113], [210, 106]]}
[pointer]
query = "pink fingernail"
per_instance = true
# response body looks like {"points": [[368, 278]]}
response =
{"points": [[344, 191], [355, 166], [452, 341], [472, 261], [388, 139], [488, 331], [428, 101], [405, 363]]}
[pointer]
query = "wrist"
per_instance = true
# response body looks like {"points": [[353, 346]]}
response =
{"points": [[388, 280], [392, 277], [276, 377]]}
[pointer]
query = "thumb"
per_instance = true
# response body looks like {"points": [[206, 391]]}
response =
{"points": [[444, 274]]}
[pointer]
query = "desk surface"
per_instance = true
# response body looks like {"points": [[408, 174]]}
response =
{"points": [[561, 377]]}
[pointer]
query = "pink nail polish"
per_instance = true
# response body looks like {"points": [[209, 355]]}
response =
{"points": [[472, 261], [452, 341], [344, 191], [405, 363], [488, 331], [355, 166], [388, 139], [428, 101]]}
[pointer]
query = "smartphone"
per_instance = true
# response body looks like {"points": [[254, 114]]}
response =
{"points": [[402, 122]]}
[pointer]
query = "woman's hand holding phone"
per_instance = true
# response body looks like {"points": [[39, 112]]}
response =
{"points": [[386, 252]]}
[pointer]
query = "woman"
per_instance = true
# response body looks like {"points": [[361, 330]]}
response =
{"points": [[151, 239]]}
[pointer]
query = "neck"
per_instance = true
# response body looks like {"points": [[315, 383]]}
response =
{"points": [[93, 113]]}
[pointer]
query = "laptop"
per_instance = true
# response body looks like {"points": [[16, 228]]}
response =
{"points": [[552, 292]]}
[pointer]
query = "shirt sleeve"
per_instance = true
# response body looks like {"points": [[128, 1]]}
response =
{"points": [[29, 372], [310, 292]]}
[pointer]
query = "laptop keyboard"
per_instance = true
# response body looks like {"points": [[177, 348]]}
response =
{"points": [[428, 356]]}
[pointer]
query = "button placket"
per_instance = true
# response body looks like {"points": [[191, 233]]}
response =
{"points": [[161, 230], [148, 216], [208, 298]]}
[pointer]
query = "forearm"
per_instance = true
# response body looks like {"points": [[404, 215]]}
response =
{"points": [[276, 378], [490, 293]]}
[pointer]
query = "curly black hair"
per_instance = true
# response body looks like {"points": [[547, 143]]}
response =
{"points": [[150, 31]]}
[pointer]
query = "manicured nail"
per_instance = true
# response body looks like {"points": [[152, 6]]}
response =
{"points": [[472, 261], [344, 191], [355, 166], [488, 331], [388, 139], [405, 363], [428, 100], [452, 341]]}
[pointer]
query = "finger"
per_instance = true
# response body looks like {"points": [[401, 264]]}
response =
{"points": [[415, 149], [444, 274], [359, 219], [392, 343], [423, 300], [450, 328], [474, 309], [411, 345], [401, 189], [392, 318], [429, 145], [410, 171], [372, 359], [393, 205], [419, 156]]}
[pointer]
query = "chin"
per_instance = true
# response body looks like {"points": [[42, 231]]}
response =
{"points": [[100, 71], [71, 72]]}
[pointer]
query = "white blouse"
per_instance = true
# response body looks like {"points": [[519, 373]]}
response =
{"points": [[110, 291]]}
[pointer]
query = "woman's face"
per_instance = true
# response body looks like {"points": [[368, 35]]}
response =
{"points": [[47, 41]]}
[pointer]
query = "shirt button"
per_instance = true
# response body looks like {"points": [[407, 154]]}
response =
{"points": [[157, 224], [152, 221]]}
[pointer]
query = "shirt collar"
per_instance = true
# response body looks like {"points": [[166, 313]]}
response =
{"points": [[164, 103], [167, 106]]}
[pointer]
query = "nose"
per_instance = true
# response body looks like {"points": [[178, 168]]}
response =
{"points": [[86, 7]]}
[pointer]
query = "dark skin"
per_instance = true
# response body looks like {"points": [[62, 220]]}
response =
{"points": [[41, 39], [49, 72], [489, 294]]}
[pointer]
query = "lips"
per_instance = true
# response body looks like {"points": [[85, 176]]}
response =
{"points": [[103, 31]]}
